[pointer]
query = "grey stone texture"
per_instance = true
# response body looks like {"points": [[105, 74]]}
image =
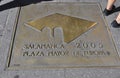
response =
{"points": [[7, 19]]}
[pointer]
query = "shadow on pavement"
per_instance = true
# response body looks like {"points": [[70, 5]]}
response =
{"points": [[19, 3]]}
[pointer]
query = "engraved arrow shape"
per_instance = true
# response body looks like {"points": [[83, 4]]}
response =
{"points": [[72, 27]]}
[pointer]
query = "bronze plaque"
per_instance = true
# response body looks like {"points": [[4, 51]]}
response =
{"points": [[49, 35]]}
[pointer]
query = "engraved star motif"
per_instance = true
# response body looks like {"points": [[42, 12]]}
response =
{"points": [[72, 27]]}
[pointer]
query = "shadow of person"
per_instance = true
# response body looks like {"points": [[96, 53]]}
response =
{"points": [[19, 3]]}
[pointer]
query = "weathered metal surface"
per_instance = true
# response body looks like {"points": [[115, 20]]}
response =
{"points": [[62, 35], [71, 26]]}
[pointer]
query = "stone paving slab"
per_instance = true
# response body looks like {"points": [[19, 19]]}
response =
{"points": [[24, 56], [7, 19]]}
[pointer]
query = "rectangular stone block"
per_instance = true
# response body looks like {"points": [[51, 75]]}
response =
{"points": [[58, 35]]}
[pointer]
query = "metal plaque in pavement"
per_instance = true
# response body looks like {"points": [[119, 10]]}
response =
{"points": [[58, 35]]}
